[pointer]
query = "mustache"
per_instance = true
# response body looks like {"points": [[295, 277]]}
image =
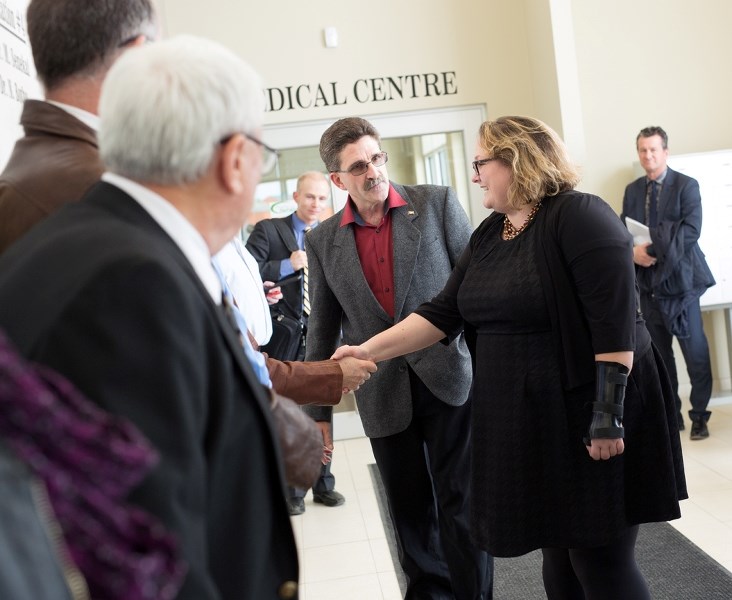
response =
{"points": [[373, 183]]}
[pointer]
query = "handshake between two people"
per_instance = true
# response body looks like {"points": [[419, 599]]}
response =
{"points": [[356, 371], [357, 366]]}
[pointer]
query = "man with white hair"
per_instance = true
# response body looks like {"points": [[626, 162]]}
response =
{"points": [[117, 292]]}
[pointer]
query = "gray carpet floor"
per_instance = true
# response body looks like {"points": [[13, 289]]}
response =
{"points": [[675, 568]]}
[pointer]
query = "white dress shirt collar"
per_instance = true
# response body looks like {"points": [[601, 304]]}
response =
{"points": [[89, 119]]}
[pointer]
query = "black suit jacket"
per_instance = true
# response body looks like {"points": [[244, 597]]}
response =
{"points": [[681, 274], [679, 201], [100, 293], [271, 242]]}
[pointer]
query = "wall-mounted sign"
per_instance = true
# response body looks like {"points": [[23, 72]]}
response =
{"points": [[361, 91], [17, 74]]}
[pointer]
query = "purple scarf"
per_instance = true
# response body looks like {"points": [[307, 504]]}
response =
{"points": [[88, 460]]}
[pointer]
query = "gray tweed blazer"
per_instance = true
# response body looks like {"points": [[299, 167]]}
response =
{"points": [[429, 234]]}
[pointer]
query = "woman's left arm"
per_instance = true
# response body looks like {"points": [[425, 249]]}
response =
{"points": [[598, 249]]}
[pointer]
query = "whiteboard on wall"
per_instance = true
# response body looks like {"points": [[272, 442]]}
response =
{"points": [[713, 171], [17, 73]]}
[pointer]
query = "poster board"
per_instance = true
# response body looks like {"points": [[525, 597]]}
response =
{"points": [[17, 73], [713, 171]]}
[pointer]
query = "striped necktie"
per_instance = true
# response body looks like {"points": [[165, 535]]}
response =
{"points": [[305, 282]]}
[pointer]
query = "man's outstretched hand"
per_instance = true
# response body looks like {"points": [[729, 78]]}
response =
{"points": [[355, 371]]}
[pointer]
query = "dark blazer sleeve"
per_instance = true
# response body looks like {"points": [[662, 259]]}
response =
{"points": [[598, 251], [634, 201], [589, 281], [267, 249], [327, 316]]}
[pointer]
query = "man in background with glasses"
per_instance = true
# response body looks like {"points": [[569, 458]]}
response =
{"points": [[278, 246], [73, 44], [390, 249]]}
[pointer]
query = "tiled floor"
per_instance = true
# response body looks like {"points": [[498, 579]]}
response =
{"points": [[344, 554]]}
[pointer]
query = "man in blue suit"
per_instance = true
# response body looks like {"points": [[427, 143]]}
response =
{"points": [[390, 249], [671, 269]]}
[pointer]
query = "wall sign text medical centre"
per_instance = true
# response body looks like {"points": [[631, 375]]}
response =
{"points": [[361, 91]]}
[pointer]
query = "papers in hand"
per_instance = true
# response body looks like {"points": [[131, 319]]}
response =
{"points": [[640, 232]]}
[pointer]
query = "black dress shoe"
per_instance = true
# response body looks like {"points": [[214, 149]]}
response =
{"points": [[680, 421], [295, 506], [329, 498], [699, 429]]}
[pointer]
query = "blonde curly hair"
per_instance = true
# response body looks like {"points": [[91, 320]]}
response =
{"points": [[537, 157]]}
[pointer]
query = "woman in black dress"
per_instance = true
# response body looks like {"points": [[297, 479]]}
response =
{"points": [[574, 436]]}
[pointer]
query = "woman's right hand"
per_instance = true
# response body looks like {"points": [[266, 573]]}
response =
{"points": [[355, 351]]}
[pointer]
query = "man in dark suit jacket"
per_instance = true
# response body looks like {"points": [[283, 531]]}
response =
{"points": [[671, 269], [278, 246], [390, 249], [117, 293], [73, 45]]}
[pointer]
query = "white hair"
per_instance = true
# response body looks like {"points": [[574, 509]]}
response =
{"points": [[166, 106]]}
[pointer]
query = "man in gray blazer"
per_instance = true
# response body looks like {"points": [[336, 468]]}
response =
{"points": [[391, 248]]}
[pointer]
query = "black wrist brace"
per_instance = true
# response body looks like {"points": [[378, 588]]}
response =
{"points": [[607, 410]]}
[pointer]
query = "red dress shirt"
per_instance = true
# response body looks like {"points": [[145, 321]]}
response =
{"points": [[375, 248]]}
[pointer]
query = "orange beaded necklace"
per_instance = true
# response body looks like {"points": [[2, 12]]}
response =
{"points": [[510, 232]]}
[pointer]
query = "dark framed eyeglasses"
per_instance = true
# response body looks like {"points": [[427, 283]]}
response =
{"points": [[477, 164], [269, 154], [379, 159]]}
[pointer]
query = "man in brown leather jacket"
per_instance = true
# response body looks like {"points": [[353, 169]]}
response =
{"points": [[57, 160]]}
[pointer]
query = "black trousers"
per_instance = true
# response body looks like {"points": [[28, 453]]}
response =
{"points": [[426, 475], [695, 350]]}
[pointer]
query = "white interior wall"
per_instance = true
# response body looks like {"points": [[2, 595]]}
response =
{"points": [[633, 64]]}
